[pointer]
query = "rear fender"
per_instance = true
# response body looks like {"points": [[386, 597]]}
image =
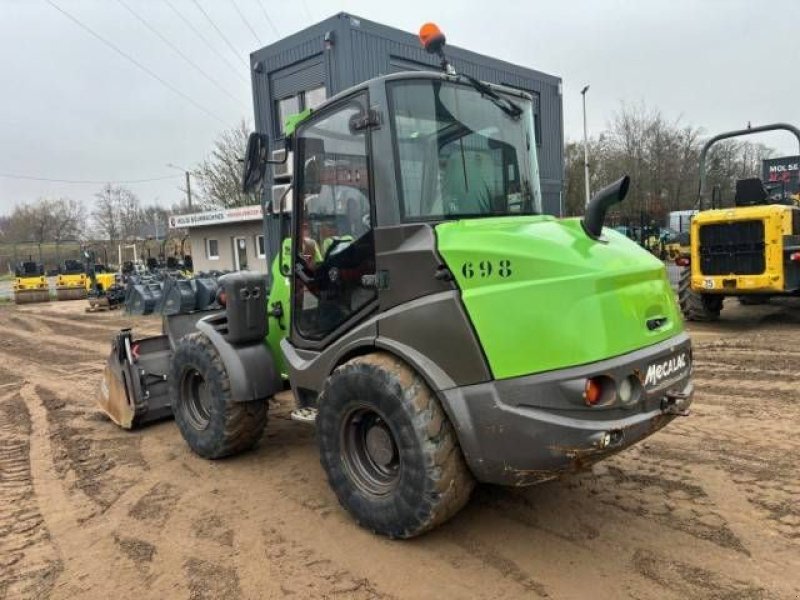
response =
{"points": [[251, 369]]}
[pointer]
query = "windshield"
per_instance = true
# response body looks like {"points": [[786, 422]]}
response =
{"points": [[462, 154]]}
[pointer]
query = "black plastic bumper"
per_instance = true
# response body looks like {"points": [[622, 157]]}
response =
{"points": [[530, 429]]}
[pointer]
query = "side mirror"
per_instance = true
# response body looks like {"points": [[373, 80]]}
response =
{"points": [[255, 161]]}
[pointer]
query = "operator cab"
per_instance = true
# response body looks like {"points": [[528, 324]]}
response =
{"points": [[395, 154]]}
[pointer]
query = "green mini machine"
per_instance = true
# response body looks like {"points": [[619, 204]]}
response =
{"points": [[433, 324]]}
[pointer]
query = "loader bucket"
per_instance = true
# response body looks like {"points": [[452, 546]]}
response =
{"points": [[139, 300], [178, 297], [134, 389], [143, 298], [205, 292]]}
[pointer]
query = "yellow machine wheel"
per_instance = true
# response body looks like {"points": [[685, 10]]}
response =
{"points": [[31, 296], [79, 293]]}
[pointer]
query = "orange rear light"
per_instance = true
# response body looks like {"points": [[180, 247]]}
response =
{"points": [[593, 392]]}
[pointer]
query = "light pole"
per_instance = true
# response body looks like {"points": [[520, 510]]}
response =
{"points": [[188, 183], [585, 147]]}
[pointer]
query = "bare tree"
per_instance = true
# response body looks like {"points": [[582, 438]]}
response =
{"points": [[106, 213], [117, 213], [662, 159], [33, 222], [69, 219], [154, 222], [220, 174], [130, 214], [5, 226]]}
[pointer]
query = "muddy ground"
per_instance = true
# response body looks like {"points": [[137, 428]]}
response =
{"points": [[707, 508]]}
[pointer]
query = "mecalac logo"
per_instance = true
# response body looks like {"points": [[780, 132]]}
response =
{"points": [[658, 372]]}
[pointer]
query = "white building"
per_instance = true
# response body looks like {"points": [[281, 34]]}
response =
{"points": [[225, 240]]}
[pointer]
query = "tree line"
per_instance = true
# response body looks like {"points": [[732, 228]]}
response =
{"points": [[661, 157], [117, 214]]}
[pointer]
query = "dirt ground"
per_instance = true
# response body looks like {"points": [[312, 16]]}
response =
{"points": [[707, 508]]}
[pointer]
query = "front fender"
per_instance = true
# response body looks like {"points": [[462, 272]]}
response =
{"points": [[251, 369]]}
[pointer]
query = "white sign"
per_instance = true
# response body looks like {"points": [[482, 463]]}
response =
{"points": [[216, 217]]}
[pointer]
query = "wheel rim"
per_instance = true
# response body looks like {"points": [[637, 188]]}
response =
{"points": [[196, 399], [369, 452]]}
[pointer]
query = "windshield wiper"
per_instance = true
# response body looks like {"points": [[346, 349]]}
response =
{"points": [[512, 109]]}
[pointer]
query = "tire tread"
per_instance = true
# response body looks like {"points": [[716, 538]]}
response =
{"points": [[448, 481], [238, 426]]}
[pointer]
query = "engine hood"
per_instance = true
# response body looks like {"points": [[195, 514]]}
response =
{"points": [[542, 295]]}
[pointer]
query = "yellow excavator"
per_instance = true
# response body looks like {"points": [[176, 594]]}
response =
{"points": [[750, 250]]}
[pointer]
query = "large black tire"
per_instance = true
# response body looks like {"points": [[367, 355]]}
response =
{"points": [[389, 450], [695, 306], [210, 421]]}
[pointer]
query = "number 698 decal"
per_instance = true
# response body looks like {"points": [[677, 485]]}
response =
{"points": [[485, 269]]}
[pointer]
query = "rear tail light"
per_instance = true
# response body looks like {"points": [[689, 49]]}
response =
{"points": [[794, 257], [683, 261], [592, 392], [599, 391]]}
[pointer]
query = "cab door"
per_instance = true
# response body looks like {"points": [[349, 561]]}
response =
{"points": [[333, 278]]}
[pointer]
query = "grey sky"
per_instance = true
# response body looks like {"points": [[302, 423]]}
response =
{"points": [[71, 108]]}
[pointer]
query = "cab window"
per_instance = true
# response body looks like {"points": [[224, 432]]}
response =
{"points": [[334, 246]]}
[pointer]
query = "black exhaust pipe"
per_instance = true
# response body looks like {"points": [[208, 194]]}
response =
{"points": [[600, 203]]}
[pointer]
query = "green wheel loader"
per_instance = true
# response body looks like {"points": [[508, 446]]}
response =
{"points": [[433, 324]]}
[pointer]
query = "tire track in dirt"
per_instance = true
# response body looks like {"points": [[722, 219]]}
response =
{"points": [[76, 347], [82, 331], [91, 553], [691, 581], [211, 581], [754, 380], [304, 572], [29, 562], [665, 490], [47, 354], [97, 465]]}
